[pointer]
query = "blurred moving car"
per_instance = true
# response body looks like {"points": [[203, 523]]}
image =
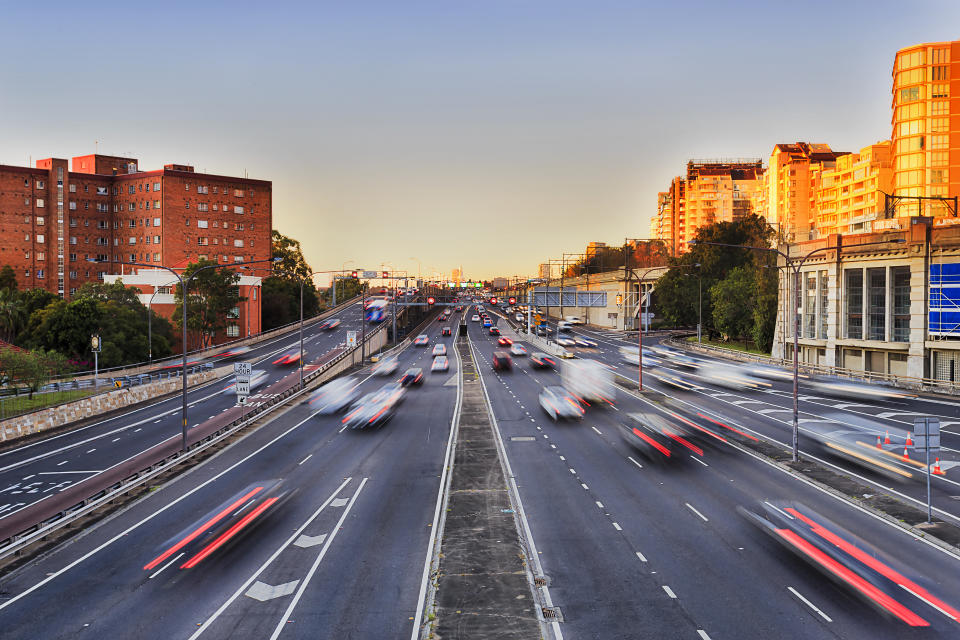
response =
{"points": [[580, 341], [290, 357], [486, 322], [518, 349], [439, 350], [563, 325], [440, 363], [844, 388], [330, 323], [334, 395], [474, 318], [564, 341], [412, 376], [540, 360], [560, 403], [729, 376], [375, 408], [589, 380], [422, 340], [656, 436], [385, 366], [257, 378], [502, 361], [445, 332], [494, 331], [504, 341]]}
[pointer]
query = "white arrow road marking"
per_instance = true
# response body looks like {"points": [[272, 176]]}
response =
{"points": [[339, 502], [262, 591], [306, 541]]}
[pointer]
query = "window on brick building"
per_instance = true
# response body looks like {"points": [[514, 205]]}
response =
{"points": [[187, 205], [240, 226], [73, 276], [238, 258], [201, 189], [73, 239], [41, 255], [73, 257], [233, 331], [203, 241], [132, 223], [72, 206], [238, 243], [186, 186], [40, 274], [156, 239], [131, 240], [238, 210], [86, 205], [40, 203], [115, 191], [201, 224], [156, 204], [100, 275], [156, 257], [39, 221], [156, 222], [26, 273], [131, 207], [238, 193], [147, 239], [131, 189], [133, 257], [40, 238], [156, 186], [40, 184]]}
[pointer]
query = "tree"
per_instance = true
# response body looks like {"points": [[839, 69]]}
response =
{"points": [[281, 301], [8, 279], [765, 309], [347, 288], [115, 292], [291, 256], [733, 299], [12, 313], [214, 293], [32, 369]]}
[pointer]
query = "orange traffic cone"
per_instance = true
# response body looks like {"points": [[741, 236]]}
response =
{"points": [[906, 456], [879, 446], [909, 442], [937, 471], [886, 438]]}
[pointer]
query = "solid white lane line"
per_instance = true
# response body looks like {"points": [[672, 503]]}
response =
{"points": [[316, 564], [914, 593], [243, 588], [699, 460], [617, 527], [634, 462], [157, 572], [305, 459], [691, 507], [642, 557], [669, 592], [809, 604], [597, 430], [781, 511]]}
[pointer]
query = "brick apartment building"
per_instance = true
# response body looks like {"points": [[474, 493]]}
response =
{"points": [[55, 219]]}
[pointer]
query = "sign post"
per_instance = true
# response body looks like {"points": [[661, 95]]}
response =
{"points": [[242, 370], [95, 346], [351, 339], [927, 434]]}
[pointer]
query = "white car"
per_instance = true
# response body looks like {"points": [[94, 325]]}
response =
{"points": [[519, 317], [439, 350], [475, 318], [440, 363], [385, 366], [566, 342], [518, 349], [422, 340]]}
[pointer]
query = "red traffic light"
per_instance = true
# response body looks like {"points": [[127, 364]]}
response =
{"points": [[431, 300], [512, 301], [493, 301], [353, 274], [386, 274]]}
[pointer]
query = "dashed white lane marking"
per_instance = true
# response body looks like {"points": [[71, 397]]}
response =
{"points": [[91, 451], [634, 462], [809, 604], [115, 440], [573, 471], [136, 430], [699, 460], [553, 446], [342, 429], [60, 464], [156, 422], [669, 592], [617, 527], [562, 458], [691, 507], [703, 634], [597, 430], [30, 476], [585, 487], [599, 504], [305, 459], [642, 557]]}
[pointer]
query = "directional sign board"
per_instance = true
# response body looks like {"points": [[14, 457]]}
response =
{"points": [[351, 339], [369, 274], [243, 388], [243, 369], [926, 434]]}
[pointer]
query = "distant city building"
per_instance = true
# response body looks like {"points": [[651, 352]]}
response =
{"points": [[926, 127], [849, 195], [456, 276], [500, 283], [789, 187], [593, 248], [547, 271]]}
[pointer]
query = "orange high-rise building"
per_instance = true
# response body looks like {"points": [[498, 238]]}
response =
{"points": [[926, 127], [789, 187], [848, 197]]}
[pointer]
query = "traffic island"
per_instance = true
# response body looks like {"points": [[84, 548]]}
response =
{"points": [[483, 589]]}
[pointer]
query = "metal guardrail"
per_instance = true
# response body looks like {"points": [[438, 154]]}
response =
{"points": [[39, 519]]}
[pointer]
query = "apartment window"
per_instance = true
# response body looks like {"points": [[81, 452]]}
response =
{"points": [[73, 222], [39, 221], [201, 189], [40, 274], [40, 184], [102, 191], [240, 227], [234, 312], [853, 292], [40, 238], [238, 193], [156, 204], [147, 239], [116, 224], [238, 209], [187, 205], [115, 191], [86, 204], [132, 223], [203, 241], [940, 91], [877, 283], [73, 239], [72, 206], [810, 305], [202, 207], [201, 224], [156, 222], [131, 189], [909, 94], [822, 313], [86, 188], [73, 257], [73, 275], [131, 207], [936, 142], [102, 224], [116, 242], [156, 239], [233, 331], [133, 257], [72, 188], [216, 208], [41, 256], [100, 275], [900, 277], [156, 186], [156, 257], [238, 243], [102, 241], [238, 258], [131, 240], [937, 176], [40, 203], [26, 273], [186, 186]]}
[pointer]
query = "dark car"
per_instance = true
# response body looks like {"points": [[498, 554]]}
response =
{"points": [[446, 331], [502, 361], [413, 375], [494, 331], [541, 360]]}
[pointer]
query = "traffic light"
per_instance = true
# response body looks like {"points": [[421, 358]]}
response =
{"points": [[493, 301], [431, 300], [512, 301], [353, 274], [386, 274]]}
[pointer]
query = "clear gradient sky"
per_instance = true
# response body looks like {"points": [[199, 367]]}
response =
{"points": [[492, 134]]}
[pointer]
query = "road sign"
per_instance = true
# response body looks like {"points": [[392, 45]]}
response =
{"points": [[926, 434], [369, 274], [538, 318], [243, 388], [243, 369], [241, 399], [351, 339]]}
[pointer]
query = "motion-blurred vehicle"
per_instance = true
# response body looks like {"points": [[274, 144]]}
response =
{"points": [[519, 317], [412, 376], [564, 341], [376, 311], [875, 576], [542, 329], [502, 361], [630, 355], [768, 372], [589, 380], [563, 325], [657, 436], [335, 395], [474, 318], [442, 317], [330, 323], [480, 308], [560, 403], [486, 322], [440, 363], [504, 341], [518, 349], [729, 377], [843, 388], [494, 331], [439, 350], [374, 408], [572, 320], [580, 341], [385, 366], [446, 331], [231, 353], [288, 358], [540, 360], [257, 378], [421, 340], [675, 380]]}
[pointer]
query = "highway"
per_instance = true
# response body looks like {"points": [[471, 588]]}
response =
{"points": [[343, 549], [633, 548]]}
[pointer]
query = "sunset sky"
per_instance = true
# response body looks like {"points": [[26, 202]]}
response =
{"points": [[492, 135]]}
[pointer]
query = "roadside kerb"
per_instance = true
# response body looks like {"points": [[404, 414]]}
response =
{"points": [[43, 517]]}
